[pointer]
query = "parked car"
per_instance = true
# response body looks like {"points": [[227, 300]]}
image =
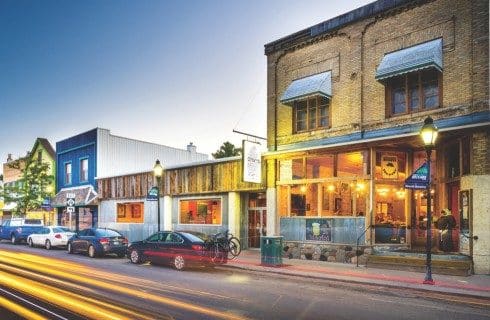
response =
{"points": [[178, 249], [52, 236], [18, 229], [98, 242]]}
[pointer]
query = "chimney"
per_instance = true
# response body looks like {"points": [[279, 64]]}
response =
{"points": [[191, 148], [9, 157]]}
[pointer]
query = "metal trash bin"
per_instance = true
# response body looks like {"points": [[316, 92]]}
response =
{"points": [[271, 251]]}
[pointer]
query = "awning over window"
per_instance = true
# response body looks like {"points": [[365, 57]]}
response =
{"points": [[84, 195], [422, 56], [316, 85]]}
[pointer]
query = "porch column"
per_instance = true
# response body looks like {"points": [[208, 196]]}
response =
{"points": [[167, 213], [272, 217], [234, 213]]}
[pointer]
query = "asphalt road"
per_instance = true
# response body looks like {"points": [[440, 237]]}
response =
{"points": [[110, 287]]}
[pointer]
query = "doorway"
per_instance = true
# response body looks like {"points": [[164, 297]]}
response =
{"points": [[257, 219]]}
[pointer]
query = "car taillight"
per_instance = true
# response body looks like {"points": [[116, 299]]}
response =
{"points": [[104, 241], [196, 247], [57, 236]]}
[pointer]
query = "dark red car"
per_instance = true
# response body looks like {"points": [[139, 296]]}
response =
{"points": [[178, 249]]}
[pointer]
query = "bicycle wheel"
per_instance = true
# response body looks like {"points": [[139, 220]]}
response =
{"points": [[234, 247]]}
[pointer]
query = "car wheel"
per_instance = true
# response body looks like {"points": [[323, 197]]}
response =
{"points": [[134, 256], [48, 245], [179, 262], [91, 252], [13, 239], [29, 241], [69, 248]]}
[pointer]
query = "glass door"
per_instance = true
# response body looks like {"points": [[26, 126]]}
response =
{"points": [[257, 219]]}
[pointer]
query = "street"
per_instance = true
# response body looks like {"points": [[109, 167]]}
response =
{"points": [[56, 285]]}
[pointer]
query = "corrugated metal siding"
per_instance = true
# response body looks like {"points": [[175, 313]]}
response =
{"points": [[120, 156]]}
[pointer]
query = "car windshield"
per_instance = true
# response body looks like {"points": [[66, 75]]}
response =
{"points": [[33, 221], [61, 229], [107, 233], [192, 237]]}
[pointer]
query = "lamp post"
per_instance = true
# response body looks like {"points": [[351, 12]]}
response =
{"points": [[429, 135], [158, 172]]}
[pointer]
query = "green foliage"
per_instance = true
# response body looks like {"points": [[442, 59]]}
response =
{"points": [[31, 189], [226, 150]]}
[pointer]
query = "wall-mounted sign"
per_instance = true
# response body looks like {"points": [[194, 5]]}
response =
{"points": [[252, 162]]}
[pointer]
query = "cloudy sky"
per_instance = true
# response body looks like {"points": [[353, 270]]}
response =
{"points": [[168, 72]]}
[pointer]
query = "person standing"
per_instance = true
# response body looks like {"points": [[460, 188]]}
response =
{"points": [[446, 224]]}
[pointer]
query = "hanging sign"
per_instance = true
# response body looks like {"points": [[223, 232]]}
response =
{"points": [[389, 167], [419, 179], [252, 162], [152, 194]]}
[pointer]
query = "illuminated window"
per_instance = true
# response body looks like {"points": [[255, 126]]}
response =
{"points": [[200, 211], [130, 212]]}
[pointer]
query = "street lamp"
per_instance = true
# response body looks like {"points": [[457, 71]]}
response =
{"points": [[158, 172], [429, 135]]}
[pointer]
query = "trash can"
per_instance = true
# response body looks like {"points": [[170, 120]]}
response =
{"points": [[271, 251]]}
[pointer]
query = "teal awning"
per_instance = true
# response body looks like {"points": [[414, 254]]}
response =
{"points": [[422, 56], [316, 85]]}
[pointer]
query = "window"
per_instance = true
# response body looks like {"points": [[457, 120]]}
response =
{"points": [[413, 92], [311, 114], [83, 170], [39, 156], [68, 173], [200, 211], [130, 212]]}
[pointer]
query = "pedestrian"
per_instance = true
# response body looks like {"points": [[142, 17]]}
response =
{"points": [[446, 224]]}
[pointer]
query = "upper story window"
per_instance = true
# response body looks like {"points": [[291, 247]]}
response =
{"points": [[310, 99], [413, 92], [67, 173], [39, 156], [413, 78], [311, 114], [84, 170]]}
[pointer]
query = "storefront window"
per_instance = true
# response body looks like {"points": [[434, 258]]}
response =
{"points": [[352, 164], [131, 212], [291, 169], [390, 217], [200, 211], [319, 167]]}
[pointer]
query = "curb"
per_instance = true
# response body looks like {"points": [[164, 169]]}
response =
{"points": [[348, 281]]}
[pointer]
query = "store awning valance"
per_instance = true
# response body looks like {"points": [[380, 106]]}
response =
{"points": [[84, 195], [316, 85], [422, 56]]}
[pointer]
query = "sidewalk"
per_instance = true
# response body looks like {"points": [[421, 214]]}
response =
{"points": [[475, 285]]}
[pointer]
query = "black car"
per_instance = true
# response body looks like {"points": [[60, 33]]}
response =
{"points": [[98, 242], [178, 249]]}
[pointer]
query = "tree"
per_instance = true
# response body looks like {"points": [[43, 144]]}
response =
{"points": [[31, 189], [226, 150]]}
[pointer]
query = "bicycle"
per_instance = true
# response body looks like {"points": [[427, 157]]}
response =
{"points": [[224, 246]]}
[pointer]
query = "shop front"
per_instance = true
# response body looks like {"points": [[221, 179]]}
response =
{"points": [[84, 213]]}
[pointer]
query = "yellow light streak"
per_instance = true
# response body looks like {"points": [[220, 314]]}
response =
{"points": [[20, 310], [53, 267]]}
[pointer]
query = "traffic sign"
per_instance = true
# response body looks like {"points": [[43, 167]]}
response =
{"points": [[70, 202], [70, 209]]}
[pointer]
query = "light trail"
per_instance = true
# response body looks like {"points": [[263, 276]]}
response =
{"points": [[20, 310], [85, 275]]}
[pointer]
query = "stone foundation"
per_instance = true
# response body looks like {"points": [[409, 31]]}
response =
{"points": [[326, 252]]}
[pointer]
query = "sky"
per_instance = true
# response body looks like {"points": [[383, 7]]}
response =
{"points": [[167, 72]]}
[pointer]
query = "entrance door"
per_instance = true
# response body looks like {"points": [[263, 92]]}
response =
{"points": [[256, 226], [453, 205]]}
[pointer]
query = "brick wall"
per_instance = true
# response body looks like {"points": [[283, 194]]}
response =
{"points": [[353, 53]]}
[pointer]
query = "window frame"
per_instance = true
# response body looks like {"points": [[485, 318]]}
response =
{"points": [[80, 169], [197, 199], [390, 86], [66, 181], [318, 114]]}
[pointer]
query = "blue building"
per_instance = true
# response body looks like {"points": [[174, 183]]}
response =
{"points": [[97, 154], [76, 169]]}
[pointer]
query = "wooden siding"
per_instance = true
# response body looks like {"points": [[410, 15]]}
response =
{"points": [[202, 179]]}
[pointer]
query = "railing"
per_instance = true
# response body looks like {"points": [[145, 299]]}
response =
{"points": [[357, 243]]}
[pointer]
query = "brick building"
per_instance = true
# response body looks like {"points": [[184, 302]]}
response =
{"points": [[346, 100]]}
